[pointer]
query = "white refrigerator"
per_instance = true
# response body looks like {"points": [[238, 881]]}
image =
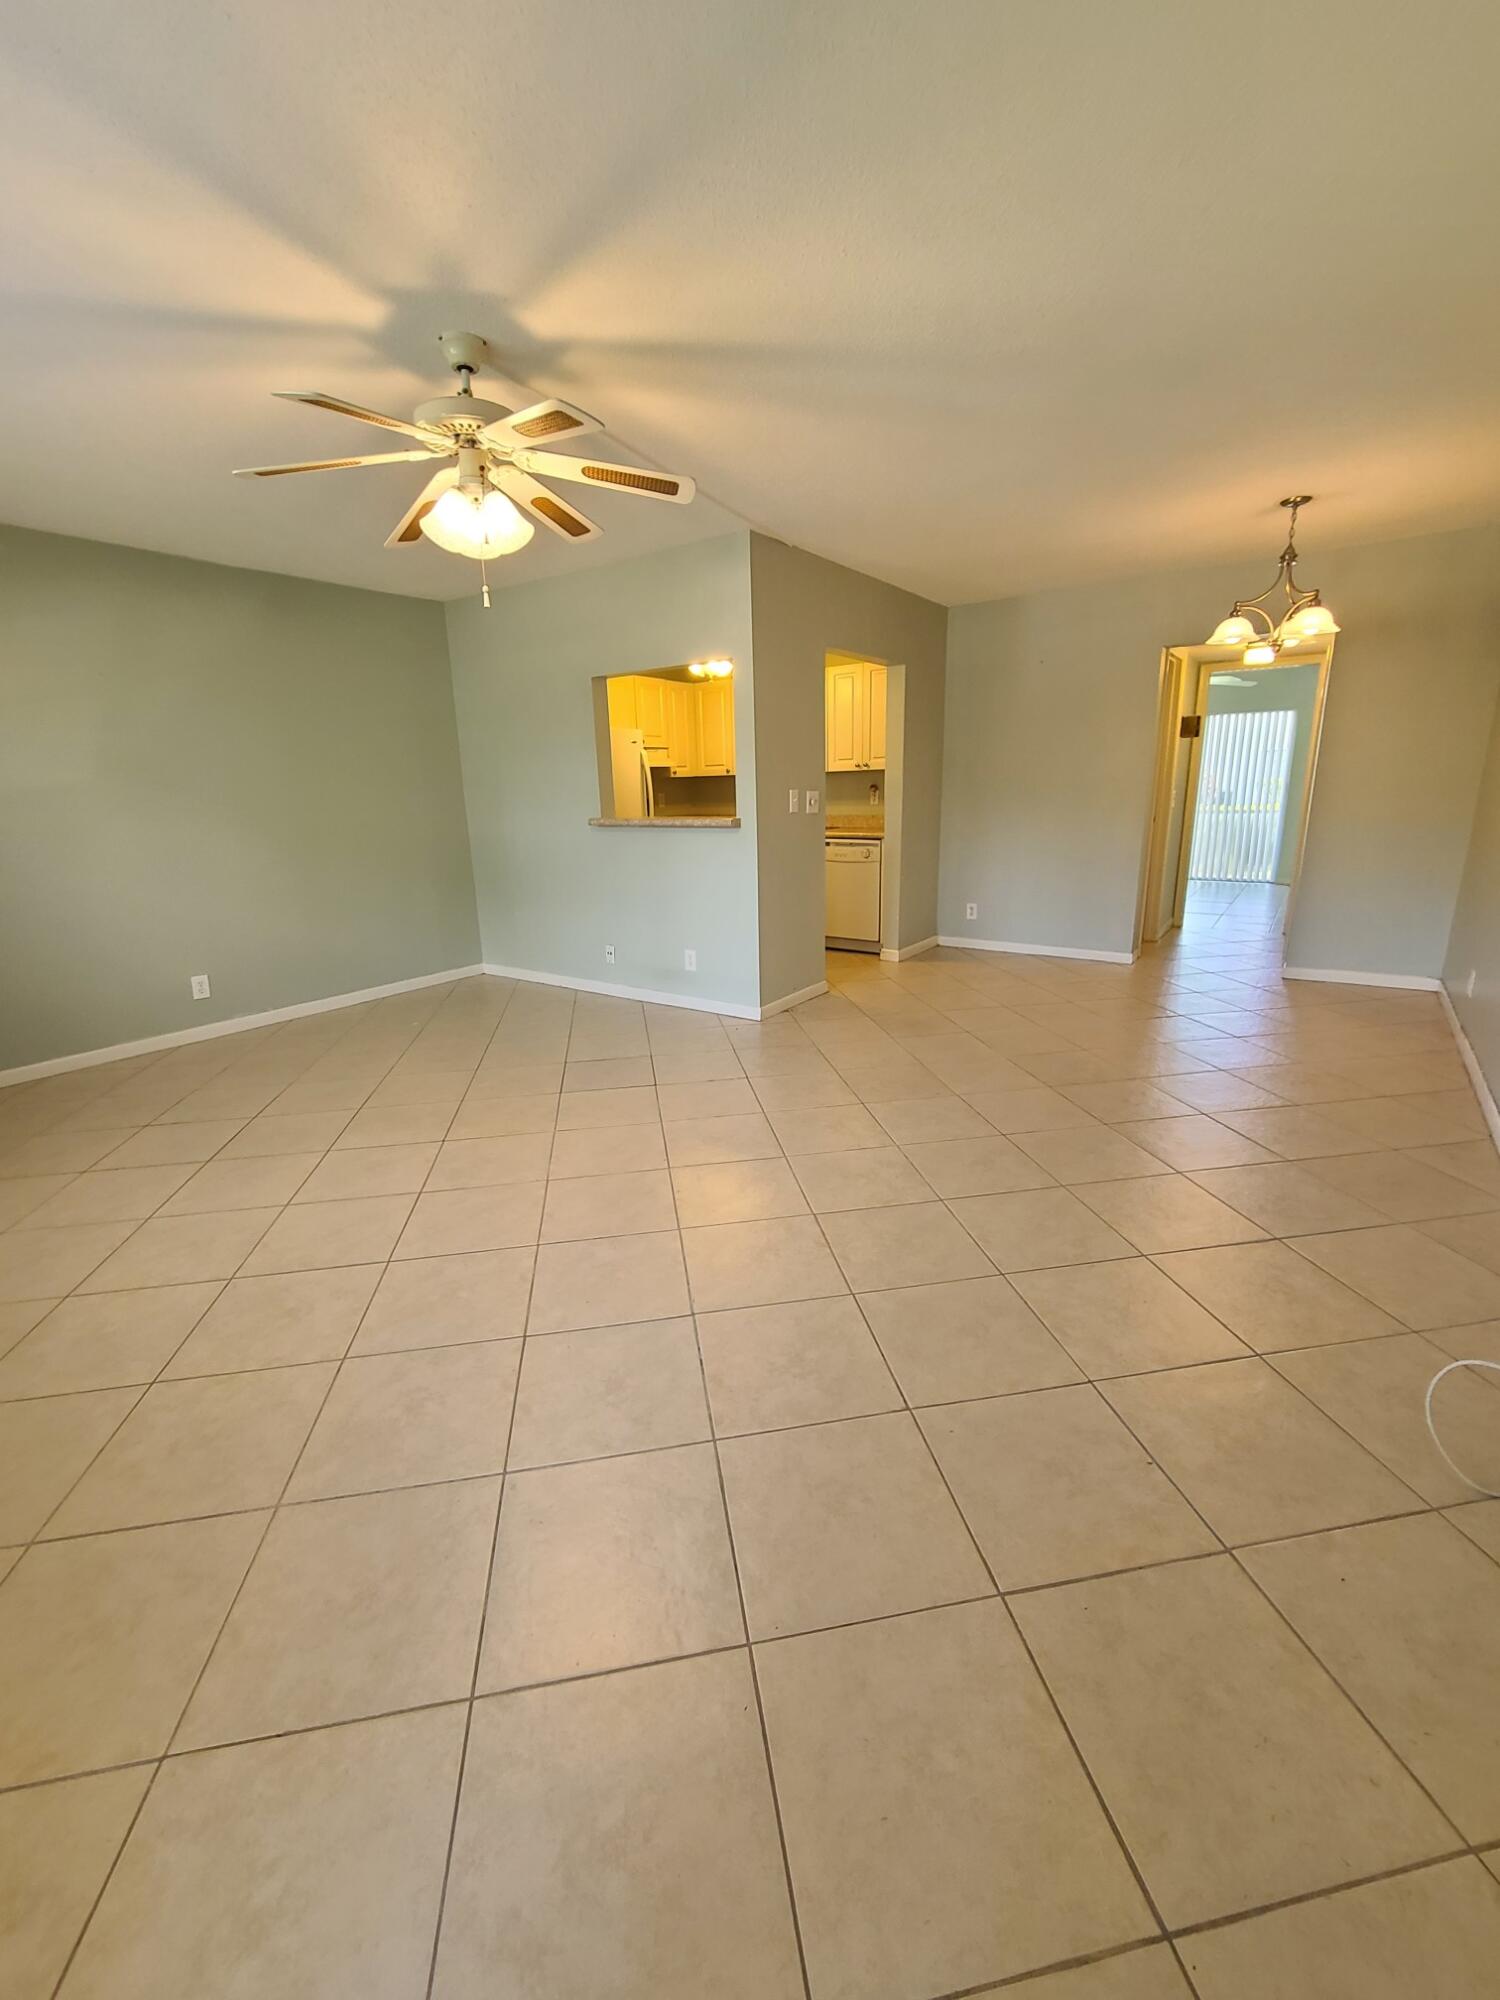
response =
{"points": [[634, 794]]}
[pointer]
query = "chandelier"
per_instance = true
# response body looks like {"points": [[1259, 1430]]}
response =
{"points": [[1304, 616]]}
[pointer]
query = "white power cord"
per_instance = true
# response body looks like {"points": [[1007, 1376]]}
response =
{"points": [[1457, 1471]]}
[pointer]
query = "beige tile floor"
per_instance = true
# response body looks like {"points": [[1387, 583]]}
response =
{"points": [[511, 1493]]}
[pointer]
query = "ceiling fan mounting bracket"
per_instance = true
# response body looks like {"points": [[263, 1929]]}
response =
{"points": [[465, 350]]}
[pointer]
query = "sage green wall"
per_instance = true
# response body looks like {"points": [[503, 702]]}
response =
{"points": [[1049, 744], [1475, 944], [805, 607], [214, 770], [552, 890]]}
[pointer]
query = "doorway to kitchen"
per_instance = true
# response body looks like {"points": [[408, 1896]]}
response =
{"points": [[1236, 758], [864, 710]]}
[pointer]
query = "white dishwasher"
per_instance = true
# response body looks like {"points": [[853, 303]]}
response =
{"points": [[851, 869]]}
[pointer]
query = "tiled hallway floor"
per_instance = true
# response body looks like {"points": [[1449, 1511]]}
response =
{"points": [[507, 1494]]}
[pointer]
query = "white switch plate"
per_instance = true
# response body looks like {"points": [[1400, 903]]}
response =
{"points": [[199, 985], [793, 800], [971, 911], [812, 802], [609, 954], [690, 960], [1469, 982]]}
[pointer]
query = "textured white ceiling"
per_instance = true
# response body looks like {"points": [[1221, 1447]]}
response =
{"points": [[976, 295]]}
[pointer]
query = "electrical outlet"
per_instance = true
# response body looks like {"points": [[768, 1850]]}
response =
{"points": [[793, 800], [609, 954], [1469, 983], [199, 985], [690, 960], [812, 802], [971, 911]]}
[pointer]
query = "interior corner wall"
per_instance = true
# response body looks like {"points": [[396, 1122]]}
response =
{"points": [[803, 607], [552, 890], [205, 769], [1474, 947], [1049, 750]]}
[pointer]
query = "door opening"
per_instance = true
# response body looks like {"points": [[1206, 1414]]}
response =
{"points": [[1236, 757]]}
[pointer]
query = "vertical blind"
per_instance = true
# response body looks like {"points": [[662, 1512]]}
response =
{"points": [[1242, 796]]}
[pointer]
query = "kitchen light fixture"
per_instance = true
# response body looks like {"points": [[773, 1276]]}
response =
{"points": [[713, 670], [1304, 619]]}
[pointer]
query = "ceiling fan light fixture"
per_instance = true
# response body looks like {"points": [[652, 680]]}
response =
{"points": [[713, 670], [483, 527]]}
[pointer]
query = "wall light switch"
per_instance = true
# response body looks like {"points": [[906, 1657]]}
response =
{"points": [[971, 911], [812, 802], [794, 800], [1469, 983], [609, 954], [690, 960], [199, 984]]}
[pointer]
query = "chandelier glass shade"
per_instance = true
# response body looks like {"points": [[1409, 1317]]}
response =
{"points": [[1283, 616]]}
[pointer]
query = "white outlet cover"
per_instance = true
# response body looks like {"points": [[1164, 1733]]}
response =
{"points": [[198, 986], [689, 961], [794, 798], [609, 954], [971, 911]]}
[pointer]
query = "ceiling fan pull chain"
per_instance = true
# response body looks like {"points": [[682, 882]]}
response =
{"points": [[484, 586]]}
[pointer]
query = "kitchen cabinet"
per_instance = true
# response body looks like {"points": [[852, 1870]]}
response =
{"points": [[875, 719], [682, 733], [622, 702], [715, 727], [651, 708], [688, 726], [854, 698]]}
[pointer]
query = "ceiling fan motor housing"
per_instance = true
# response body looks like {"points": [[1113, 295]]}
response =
{"points": [[459, 416]]}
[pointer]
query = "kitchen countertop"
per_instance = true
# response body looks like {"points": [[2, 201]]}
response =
{"points": [[857, 826], [672, 819]]}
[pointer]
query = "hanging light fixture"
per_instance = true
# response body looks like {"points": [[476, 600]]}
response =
{"points": [[1304, 618]]}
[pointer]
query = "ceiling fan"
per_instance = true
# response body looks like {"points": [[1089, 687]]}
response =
{"points": [[485, 496]]}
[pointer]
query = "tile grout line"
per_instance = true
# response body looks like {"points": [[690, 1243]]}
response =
{"points": [[440, 1911], [739, 1584]]}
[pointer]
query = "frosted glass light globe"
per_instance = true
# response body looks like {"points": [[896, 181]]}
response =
{"points": [[483, 529]]}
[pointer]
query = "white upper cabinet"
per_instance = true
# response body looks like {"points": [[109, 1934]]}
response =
{"points": [[715, 727], [854, 692]]}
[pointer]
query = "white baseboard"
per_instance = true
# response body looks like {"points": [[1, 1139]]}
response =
{"points": [[614, 991], [908, 950], [1411, 982], [793, 999], [236, 1024], [1040, 950], [1477, 1077]]}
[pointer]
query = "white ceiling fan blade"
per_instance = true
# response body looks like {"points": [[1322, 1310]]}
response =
{"points": [[409, 527], [329, 464], [538, 503], [337, 404], [617, 478], [539, 423]]}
